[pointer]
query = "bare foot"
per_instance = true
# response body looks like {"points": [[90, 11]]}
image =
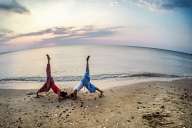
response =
{"points": [[101, 95], [88, 58], [48, 57]]}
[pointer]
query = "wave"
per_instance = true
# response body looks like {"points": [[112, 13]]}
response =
{"points": [[94, 77]]}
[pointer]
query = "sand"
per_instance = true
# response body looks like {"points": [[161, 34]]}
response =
{"points": [[155, 104]]}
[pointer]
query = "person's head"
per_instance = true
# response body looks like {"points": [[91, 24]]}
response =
{"points": [[63, 94], [73, 95]]}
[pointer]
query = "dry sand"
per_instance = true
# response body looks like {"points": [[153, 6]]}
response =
{"points": [[142, 105]]}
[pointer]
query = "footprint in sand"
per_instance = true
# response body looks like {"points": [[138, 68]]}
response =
{"points": [[67, 116], [60, 114], [65, 110]]}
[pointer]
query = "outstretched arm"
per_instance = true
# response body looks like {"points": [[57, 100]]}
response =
{"points": [[87, 66]]}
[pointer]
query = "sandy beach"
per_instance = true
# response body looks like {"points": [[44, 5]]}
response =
{"points": [[155, 104]]}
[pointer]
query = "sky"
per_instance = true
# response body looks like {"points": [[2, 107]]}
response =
{"points": [[165, 24]]}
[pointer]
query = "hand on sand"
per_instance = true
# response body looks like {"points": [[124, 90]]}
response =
{"points": [[48, 57], [72, 96], [88, 58], [37, 96]]}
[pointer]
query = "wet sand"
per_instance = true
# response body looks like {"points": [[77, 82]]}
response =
{"points": [[153, 104]]}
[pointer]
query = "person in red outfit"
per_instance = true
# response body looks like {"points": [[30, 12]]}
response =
{"points": [[50, 84]]}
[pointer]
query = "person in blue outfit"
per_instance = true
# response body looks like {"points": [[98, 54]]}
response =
{"points": [[85, 82]]}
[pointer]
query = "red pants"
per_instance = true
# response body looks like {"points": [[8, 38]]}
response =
{"points": [[53, 86]]}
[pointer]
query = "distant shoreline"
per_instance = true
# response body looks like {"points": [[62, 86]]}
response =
{"points": [[152, 48]]}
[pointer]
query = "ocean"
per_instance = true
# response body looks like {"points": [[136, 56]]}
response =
{"points": [[106, 62]]}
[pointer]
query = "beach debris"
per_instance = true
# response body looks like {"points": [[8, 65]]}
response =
{"points": [[139, 102], [82, 103], [60, 114], [67, 115], [46, 116], [97, 121], [162, 107], [20, 120], [39, 124], [186, 96]]}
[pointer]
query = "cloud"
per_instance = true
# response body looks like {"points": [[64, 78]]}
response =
{"points": [[61, 33], [53, 31], [5, 34], [10, 41], [12, 6], [165, 4], [87, 32]]}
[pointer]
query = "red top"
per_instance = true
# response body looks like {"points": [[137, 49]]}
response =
{"points": [[55, 89]]}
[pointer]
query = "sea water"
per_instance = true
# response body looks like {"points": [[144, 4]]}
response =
{"points": [[107, 62]]}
